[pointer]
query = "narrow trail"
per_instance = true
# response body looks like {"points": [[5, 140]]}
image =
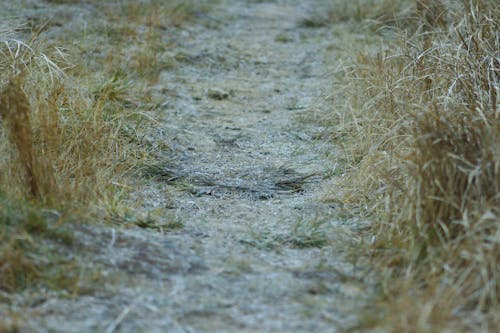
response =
{"points": [[258, 251]]}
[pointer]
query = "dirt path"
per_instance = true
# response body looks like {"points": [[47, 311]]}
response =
{"points": [[258, 251]]}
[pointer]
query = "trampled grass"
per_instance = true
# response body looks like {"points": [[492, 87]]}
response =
{"points": [[422, 134]]}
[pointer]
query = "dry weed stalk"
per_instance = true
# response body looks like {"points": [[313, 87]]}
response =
{"points": [[15, 111]]}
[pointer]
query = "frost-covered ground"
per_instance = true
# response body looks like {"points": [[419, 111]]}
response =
{"points": [[255, 248]]}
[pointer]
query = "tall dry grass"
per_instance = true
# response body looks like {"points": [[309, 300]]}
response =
{"points": [[423, 136], [57, 148], [16, 113]]}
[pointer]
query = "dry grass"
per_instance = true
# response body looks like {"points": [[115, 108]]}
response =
{"points": [[73, 110], [382, 11], [139, 30], [16, 113], [59, 149], [423, 137]]}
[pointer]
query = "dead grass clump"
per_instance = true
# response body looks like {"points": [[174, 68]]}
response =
{"points": [[425, 131], [59, 149]]}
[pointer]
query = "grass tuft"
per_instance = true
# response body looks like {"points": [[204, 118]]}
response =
{"points": [[424, 140], [59, 147]]}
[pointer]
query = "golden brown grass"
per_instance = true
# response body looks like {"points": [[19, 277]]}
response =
{"points": [[73, 109], [57, 151], [422, 133], [16, 113], [59, 148]]}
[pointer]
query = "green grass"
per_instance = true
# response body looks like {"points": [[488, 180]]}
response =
{"points": [[305, 233], [26, 232], [309, 233]]}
